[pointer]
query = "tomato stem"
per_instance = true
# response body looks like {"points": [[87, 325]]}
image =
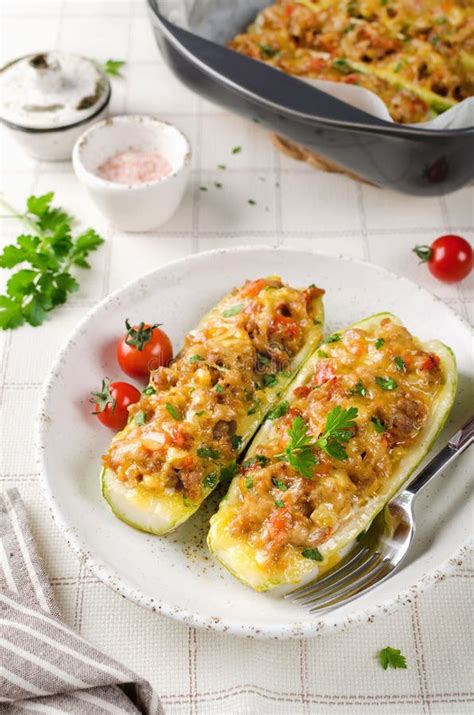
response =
{"points": [[103, 398], [139, 337], [424, 253]]}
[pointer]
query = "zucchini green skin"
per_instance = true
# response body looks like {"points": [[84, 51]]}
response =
{"points": [[161, 514], [243, 560]]}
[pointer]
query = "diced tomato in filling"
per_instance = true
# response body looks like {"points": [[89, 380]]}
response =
{"points": [[254, 287], [302, 391], [178, 437], [430, 363], [289, 325], [324, 373]]}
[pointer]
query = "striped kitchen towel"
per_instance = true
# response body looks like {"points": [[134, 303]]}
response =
{"points": [[44, 665]]}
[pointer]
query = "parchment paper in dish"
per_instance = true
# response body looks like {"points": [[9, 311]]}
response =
{"points": [[220, 20]]}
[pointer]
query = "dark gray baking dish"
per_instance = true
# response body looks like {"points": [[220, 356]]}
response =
{"points": [[415, 161]]}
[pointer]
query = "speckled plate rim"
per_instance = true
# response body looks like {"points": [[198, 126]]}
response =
{"points": [[117, 583]]}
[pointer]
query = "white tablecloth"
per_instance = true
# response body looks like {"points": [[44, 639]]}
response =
{"points": [[196, 672]]}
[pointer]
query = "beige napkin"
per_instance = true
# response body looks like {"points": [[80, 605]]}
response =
{"points": [[46, 666]]}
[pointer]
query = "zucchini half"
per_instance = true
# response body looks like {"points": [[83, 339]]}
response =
{"points": [[251, 564], [161, 511]]}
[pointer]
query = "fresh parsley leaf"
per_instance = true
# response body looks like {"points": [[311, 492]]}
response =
{"points": [[392, 657], [268, 51], [299, 452], [378, 424], [219, 388], [386, 383], [278, 411], [48, 253], [235, 310], [140, 418], [379, 343], [280, 503], [313, 554], [196, 358], [334, 338], [173, 411], [279, 484], [400, 363], [113, 67], [236, 150], [339, 428], [200, 413], [210, 480], [269, 380], [236, 441], [359, 389], [150, 390], [249, 482], [323, 354], [343, 66], [208, 452]]}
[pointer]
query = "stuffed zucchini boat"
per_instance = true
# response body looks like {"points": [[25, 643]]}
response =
{"points": [[360, 417], [197, 415]]}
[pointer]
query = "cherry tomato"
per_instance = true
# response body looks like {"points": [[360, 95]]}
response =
{"points": [[143, 348], [112, 403], [449, 258]]}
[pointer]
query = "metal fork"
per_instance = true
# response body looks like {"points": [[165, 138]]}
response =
{"points": [[382, 548]]}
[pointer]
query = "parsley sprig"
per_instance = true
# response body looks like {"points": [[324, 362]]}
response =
{"points": [[392, 657], [338, 430], [50, 250], [113, 67]]}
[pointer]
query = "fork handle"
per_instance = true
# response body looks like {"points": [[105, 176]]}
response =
{"points": [[459, 442]]}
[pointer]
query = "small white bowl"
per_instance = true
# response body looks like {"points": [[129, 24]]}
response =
{"points": [[136, 207]]}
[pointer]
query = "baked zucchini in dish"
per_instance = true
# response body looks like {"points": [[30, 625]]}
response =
{"points": [[197, 415], [360, 417]]}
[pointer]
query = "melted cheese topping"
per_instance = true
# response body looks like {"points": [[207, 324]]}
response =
{"points": [[416, 55], [393, 384], [203, 407]]}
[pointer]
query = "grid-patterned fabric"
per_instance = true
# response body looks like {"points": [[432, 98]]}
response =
{"points": [[196, 672]]}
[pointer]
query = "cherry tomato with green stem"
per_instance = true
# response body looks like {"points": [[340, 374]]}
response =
{"points": [[143, 348], [112, 402], [449, 258]]}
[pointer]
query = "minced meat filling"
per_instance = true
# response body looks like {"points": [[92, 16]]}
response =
{"points": [[190, 419], [390, 384]]}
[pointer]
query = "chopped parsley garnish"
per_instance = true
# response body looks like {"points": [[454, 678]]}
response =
{"points": [[219, 388], [149, 390], [264, 359], [203, 188], [236, 441], [140, 418], [269, 380], [348, 28], [249, 482], [236, 150], [400, 363], [334, 338], [280, 503], [392, 657], [113, 67], [379, 342], [268, 51], [218, 184], [278, 411], [222, 167], [279, 484], [235, 310], [313, 554], [359, 389], [441, 20], [386, 383], [343, 66], [174, 412], [200, 413], [210, 480], [252, 202], [339, 429], [259, 459], [255, 406], [316, 321], [208, 452], [323, 354], [196, 358], [378, 424]]}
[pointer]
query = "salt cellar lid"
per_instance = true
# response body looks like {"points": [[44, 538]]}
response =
{"points": [[51, 90]]}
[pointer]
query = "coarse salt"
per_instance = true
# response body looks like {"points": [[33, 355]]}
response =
{"points": [[135, 166]]}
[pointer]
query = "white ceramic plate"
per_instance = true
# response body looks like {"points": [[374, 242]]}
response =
{"points": [[176, 575]]}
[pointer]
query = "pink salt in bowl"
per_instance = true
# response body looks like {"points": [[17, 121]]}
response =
{"points": [[135, 168]]}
